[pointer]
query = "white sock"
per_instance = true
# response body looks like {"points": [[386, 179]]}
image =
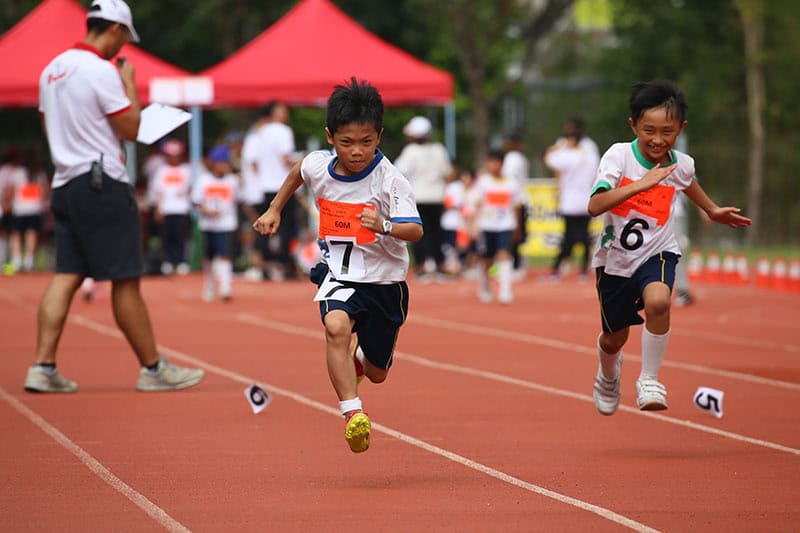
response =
{"points": [[3, 249], [505, 269], [483, 278], [345, 406], [608, 361], [653, 348], [224, 275]]}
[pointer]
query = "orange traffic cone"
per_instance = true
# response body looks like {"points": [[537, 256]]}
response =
{"points": [[779, 279], [729, 276], [712, 272], [742, 270], [763, 273], [794, 275], [694, 268]]}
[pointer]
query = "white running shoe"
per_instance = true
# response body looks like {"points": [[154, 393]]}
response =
{"points": [[168, 377], [40, 380], [607, 391], [650, 395]]}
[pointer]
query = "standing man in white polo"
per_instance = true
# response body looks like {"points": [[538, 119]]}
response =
{"points": [[88, 105]]}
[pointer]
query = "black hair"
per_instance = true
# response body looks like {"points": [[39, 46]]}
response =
{"points": [[573, 128], [269, 108], [658, 93], [496, 153], [355, 103], [98, 26]]}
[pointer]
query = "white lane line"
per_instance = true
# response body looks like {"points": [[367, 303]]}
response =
{"points": [[154, 511], [469, 463], [477, 329], [422, 361]]}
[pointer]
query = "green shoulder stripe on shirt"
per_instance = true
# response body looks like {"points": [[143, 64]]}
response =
{"points": [[602, 186]]}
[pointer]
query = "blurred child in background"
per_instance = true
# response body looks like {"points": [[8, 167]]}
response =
{"points": [[171, 191], [496, 210], [452, 221], [28, 187], [215, 195]]}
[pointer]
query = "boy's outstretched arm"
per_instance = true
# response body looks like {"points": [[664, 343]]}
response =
{"points": [[604, 200], [269, 222], [723, 215]]}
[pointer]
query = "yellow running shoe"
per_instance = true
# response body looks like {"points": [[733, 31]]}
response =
{"points": [[356, 431]]}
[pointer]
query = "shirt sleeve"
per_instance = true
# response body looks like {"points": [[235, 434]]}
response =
{"points": [[403, 205], [609, 172], [110, 92], [560, 159]]}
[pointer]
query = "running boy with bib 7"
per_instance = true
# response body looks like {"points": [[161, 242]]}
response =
{"points": [[367, 213]]}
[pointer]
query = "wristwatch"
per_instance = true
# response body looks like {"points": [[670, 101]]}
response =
{"points": [[387, 227]]}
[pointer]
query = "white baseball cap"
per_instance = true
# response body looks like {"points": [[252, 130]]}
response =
{"points": [[115, 11], [418, 128]]}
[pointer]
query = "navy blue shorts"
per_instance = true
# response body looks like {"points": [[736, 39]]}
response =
{"points": [[217, 244], [491, 242], [97, 232], [378, 311], [621, 298], [27, 222]]}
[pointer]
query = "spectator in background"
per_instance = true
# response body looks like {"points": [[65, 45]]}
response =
{"points": [[517, 167], [172, 185], [574, 161], [275, 157], [426, 164], [29, 188], [252, 196]]}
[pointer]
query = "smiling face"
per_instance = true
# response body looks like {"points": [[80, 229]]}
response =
{"points": [[657, 130], [355, 145]]}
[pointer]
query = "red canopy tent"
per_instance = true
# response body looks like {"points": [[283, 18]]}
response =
{"points": [[52, 27], [314, 47]]}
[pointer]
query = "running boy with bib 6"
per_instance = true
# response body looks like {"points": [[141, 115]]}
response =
{"points": [[367, 213], [636, 254]]}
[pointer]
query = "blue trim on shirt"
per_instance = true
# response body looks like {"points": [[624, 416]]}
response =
{"points": [[400, 220], [355, 177]]}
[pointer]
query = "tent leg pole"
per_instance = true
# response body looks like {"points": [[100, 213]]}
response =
{"points": [[450, 129], [195, 158]]}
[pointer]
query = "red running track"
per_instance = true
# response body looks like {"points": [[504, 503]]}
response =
{"points": [[486, 422]]}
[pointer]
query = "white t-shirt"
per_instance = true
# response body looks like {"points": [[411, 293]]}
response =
{"points": [[426, 166], [640, 227], [516, 166], [452, 217], [276, 141], [28, 196], [576, 168], [496, 200], [172, 187], [354, 253], [219, 194], [252, 193], [78, 91]]}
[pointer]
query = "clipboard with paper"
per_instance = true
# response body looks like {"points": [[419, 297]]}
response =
{"points": [[157, 120]]}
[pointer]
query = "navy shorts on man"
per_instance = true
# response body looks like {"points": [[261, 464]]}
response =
{"points": [[621, 297], [97, 232], [378, 311]]}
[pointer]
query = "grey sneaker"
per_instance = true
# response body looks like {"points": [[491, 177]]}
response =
{"points": [[607, 391], [650, 395], [168, 377], [40, 380]]}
